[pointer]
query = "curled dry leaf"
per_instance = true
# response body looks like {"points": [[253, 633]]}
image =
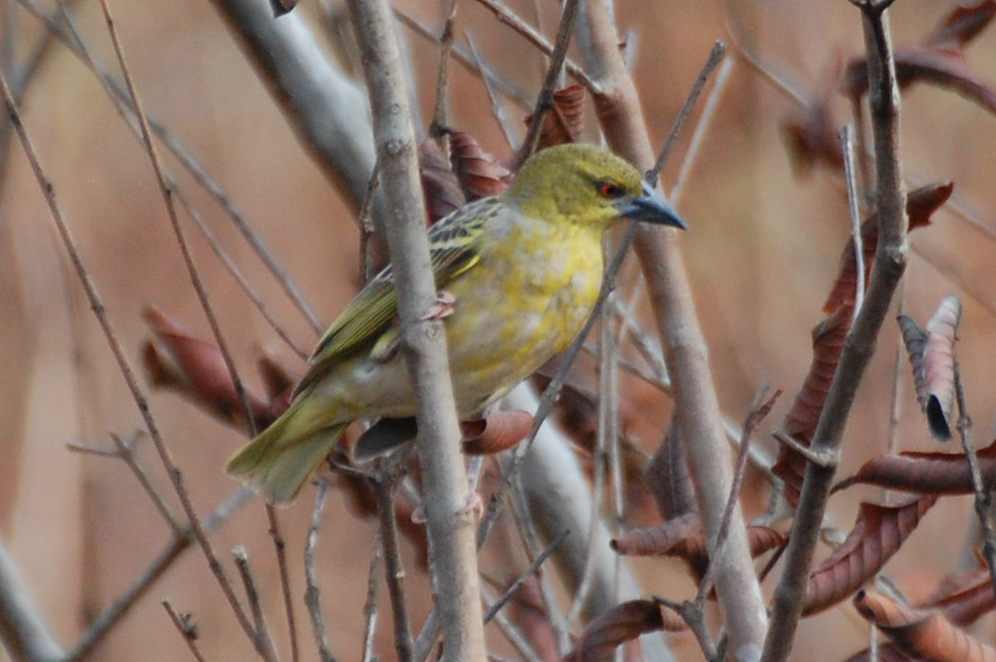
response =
{"points": [[964, 596], [195, 369], [565, 121], [801, 419], [920, 205], [440, 185], [925, 635], [479, 173], [684, 537], [931, 473], [915, 340], [281, 7], [498, 432], [939, 58], [878, 533], [620, 624], [939, 362]]}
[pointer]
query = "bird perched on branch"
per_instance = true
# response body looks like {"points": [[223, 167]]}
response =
{"points": [[520, 273]]}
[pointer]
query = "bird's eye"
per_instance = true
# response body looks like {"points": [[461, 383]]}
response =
{"points": [[610, 190]]}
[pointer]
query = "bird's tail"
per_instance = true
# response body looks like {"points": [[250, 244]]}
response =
{"points": [[279, 460]]}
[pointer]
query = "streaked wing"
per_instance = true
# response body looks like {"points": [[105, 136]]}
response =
{"points": [[453, 249]]}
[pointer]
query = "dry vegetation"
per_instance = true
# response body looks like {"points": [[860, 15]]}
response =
{"points": [[757, 172]]}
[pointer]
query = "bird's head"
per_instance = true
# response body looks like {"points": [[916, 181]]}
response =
{"points": [[585, 185]]}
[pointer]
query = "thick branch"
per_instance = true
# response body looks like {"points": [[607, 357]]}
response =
{"points": [[325, 107], [887, 269], [450, 524], [21, 629], [696, 403]]}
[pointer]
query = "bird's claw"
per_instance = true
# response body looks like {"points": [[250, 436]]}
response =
{"points": [[442, 308]]}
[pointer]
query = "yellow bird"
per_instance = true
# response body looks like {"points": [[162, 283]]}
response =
{"points": [[523, 269]]}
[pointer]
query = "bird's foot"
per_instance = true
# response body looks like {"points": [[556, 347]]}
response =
{"points": [[442, 308]]}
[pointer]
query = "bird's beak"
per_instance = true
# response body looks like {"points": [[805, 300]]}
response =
{"points": [[651, 208]]}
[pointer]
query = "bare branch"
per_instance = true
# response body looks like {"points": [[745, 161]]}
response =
{"points": [[449, 522], [670, 294], [887, 269]]}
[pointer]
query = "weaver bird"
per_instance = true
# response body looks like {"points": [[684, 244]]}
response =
{"points": [[522, 271]]}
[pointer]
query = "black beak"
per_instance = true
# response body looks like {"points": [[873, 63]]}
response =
{"points": [[651, 208]]}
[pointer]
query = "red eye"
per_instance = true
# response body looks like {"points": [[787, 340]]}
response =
{"points": [[610, 190]]}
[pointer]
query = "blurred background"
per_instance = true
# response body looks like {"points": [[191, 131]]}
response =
{"points": [[763, 246]]}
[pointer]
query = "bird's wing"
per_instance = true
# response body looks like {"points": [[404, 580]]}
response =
{"points": [[454, 247]]}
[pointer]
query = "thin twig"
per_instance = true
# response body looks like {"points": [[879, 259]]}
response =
{"points": [[119, 95], [155, 569], [544, 100], [512, 633], [716, 55], [187, 629], [263, 640], [126, 453], [701, 130], [529, 530], [280, 549], [167, 460], [383, 484], [607, 427], [312, 592], [370, 606], [533, 568], [440, 116], [983, 492], [511, 19], [846, 137], [124, 366], [759, 410], [236, 273], [469, 60], [497, 107]]}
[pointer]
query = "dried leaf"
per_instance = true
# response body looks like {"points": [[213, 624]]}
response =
{"points": [[440, 185], [664, 538], [620, 624], [963, 24], [479, 173], [801, 419], [925, 635], [920, 204], [281, 7], [877, 534], [964, 597], [810, 134], [915, 340], [930, 473], [498, 432], [565, 121], [684, 537], [939, 367], [939, 59], [195, 369]]}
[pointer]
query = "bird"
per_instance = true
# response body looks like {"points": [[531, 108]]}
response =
{"points": [[518, 275]]}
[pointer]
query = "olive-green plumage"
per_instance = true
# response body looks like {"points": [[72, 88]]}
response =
{"points": [[524, 269]]}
